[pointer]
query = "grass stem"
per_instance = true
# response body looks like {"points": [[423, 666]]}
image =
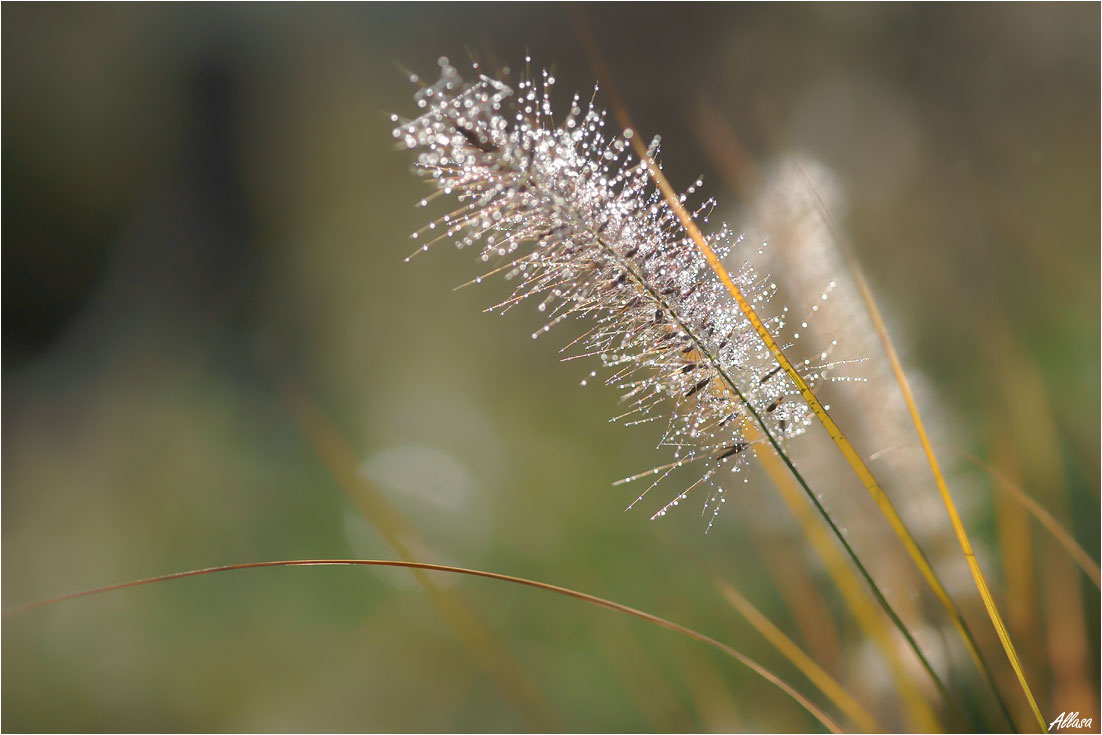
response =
{"points": [[661, 622]]}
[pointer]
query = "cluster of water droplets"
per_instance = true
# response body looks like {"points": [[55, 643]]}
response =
{"points": [[572, 216]]}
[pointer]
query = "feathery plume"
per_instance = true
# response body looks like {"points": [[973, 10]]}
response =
{"points": [[582, 230]]}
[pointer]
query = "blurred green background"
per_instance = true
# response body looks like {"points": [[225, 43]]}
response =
{"points": [[204, 292]]}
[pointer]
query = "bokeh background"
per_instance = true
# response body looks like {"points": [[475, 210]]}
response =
{"points": [[213, 352]]}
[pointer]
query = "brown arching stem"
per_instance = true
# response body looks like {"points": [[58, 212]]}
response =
{"points": [[661, 622]]}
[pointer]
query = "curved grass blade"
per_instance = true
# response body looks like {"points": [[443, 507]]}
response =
{"points": [[812, 614], [661, 622]]}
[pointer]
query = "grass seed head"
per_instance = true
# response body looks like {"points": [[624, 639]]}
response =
{"points": [[568, 213]]}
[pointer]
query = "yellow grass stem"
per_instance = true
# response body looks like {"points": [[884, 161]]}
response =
{"points": [[946, 497], [750, 663], [1017, 548]]}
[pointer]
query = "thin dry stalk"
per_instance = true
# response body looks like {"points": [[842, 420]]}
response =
{"points": [[750, 663]]}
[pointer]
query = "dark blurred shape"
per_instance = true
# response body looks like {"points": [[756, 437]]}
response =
{"points": [[172, 242]]}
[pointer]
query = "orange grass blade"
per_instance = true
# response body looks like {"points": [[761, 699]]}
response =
{"points": [[765, 673], [1017, 549], [1042, 516]]}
